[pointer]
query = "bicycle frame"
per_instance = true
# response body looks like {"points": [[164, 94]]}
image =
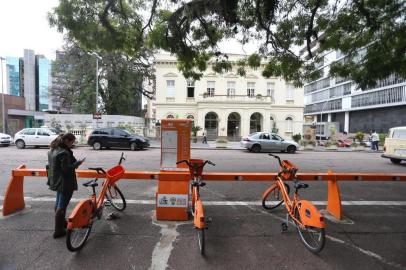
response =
{"points": [[86, 210], [199, 219]]}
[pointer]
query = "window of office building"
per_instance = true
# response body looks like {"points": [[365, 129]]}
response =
{"points": [[170, 88], [190, 89], [250, 89], [231, 89], [210, 88]]}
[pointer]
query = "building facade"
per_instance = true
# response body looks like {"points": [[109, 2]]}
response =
{"points": [[13, 75], [339, 100], [228, 105], [42, 83]]}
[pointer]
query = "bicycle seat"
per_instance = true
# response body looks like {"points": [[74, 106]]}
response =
{"points": [[91, 183], [300, 185]]}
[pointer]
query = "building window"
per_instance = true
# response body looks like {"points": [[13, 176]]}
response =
{"points": [[231, 89], [270, 90], [289, 124], [251, 89], [190, 89], [170, 116], [289, 91], [170, 88], [210, 88]]}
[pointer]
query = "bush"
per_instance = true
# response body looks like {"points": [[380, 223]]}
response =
{"points": [[308, 142], [382, 137], [297, 137], [330, 143], [359, 136], [221, 140], [195, 129]]}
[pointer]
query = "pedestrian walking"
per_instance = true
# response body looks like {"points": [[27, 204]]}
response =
{"points": [[62, 177], [204, 137], [375, 140]]}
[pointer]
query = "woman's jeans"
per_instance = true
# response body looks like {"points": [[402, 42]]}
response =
{"points": [[62, 200]]}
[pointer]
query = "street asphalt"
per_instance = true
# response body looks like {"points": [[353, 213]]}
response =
{"points": [[242, 235]]}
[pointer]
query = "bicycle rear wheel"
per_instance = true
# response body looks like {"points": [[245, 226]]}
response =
{"points": [[201, 237], [274, 197], [116, 198], [312, 237], [76, 237]]}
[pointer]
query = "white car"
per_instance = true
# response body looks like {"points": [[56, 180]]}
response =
{"points": [[34, 137], [5, 139]]}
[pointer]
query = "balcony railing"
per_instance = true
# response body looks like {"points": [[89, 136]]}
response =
{"points": [[237, 98]]}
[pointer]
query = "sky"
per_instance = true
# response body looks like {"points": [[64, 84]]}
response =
{"points": [[24, 25]]}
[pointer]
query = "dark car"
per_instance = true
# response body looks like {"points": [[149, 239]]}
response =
{"points": [[116, 138]]}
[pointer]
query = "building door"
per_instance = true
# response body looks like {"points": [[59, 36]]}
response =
{"points": [[255, 122], [234, 127], [211, 125]]}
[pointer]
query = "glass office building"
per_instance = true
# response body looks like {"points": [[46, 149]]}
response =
{"points": [[13, 76], [43, 71]]}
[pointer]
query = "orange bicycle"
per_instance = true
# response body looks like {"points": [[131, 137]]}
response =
{"points": [[81, 219], [306, 218], [197, 210]]}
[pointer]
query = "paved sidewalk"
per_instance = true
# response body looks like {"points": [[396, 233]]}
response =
{"points": [[236, 146]]}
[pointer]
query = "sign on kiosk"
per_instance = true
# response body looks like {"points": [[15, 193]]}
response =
{"points": [[172, 198]]}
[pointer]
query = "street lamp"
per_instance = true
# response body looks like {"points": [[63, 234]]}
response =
{"points": [[98, 57], [2, 96]]}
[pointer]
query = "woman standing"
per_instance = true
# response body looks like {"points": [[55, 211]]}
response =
{"points": [[62, 177]]}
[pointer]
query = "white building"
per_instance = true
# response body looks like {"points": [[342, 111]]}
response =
{"points": [[330, 99], [228, 105]]}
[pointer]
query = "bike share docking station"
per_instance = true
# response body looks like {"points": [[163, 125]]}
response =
{"points": [[172, 197]]}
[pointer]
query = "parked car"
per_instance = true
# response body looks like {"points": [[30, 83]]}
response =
{"points": [[116, 138], [395, 145], [34, 137], [264, 141], [5, 139]]}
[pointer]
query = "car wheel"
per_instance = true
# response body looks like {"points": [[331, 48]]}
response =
{"points": [[256, 148], [133, 146], [97, 146], [20, 144], [291, 149], [395, 160]]}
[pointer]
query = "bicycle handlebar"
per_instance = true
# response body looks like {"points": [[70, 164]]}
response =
{"points": [[294, 171], [98, 170], [121, 158], [193, 167], [278, 158]]}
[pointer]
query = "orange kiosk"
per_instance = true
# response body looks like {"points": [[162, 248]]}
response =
{"points": [[172, 197]]}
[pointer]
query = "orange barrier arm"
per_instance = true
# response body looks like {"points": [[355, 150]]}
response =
{"points": [[14, 197]]}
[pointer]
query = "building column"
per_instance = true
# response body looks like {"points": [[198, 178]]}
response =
{"points": [[245, 124], [347, 121], [329, 117]]}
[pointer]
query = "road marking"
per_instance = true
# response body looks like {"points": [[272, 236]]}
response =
{"points": [[232, 203]]}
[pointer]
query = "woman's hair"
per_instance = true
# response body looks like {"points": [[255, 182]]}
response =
{"points": [[60, 140]]}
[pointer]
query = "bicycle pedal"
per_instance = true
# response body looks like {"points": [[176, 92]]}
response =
{"points": [[107, 203], [284, 227]]}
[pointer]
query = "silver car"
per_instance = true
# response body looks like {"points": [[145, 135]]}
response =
{"points": [[265, 141]]}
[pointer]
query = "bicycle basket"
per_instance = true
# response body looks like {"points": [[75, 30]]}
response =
{"points": [[196, 163], [115, 173]]}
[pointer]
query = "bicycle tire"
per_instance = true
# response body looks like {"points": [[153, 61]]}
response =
{"points": [[116, 198], [82, 235], [201, 239], [313, 238], [274, 197]]}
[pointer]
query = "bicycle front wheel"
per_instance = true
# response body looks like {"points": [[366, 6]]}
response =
{"points": [[273, 198], [201, 237], [116, 198], [312, 237], [76, 237]]}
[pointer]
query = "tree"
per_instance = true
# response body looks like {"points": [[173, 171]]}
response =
{"points": [[371, 33], [120, 81]]}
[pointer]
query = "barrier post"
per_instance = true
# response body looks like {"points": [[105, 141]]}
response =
{"points": [[14, 197], [172, 197], [334, 197]]}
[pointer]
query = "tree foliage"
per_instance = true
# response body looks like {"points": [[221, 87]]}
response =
{"points": [[120, 81], [371, 33]]}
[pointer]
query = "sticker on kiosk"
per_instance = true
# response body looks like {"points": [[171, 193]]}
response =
{"points": [[172, 200]]}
